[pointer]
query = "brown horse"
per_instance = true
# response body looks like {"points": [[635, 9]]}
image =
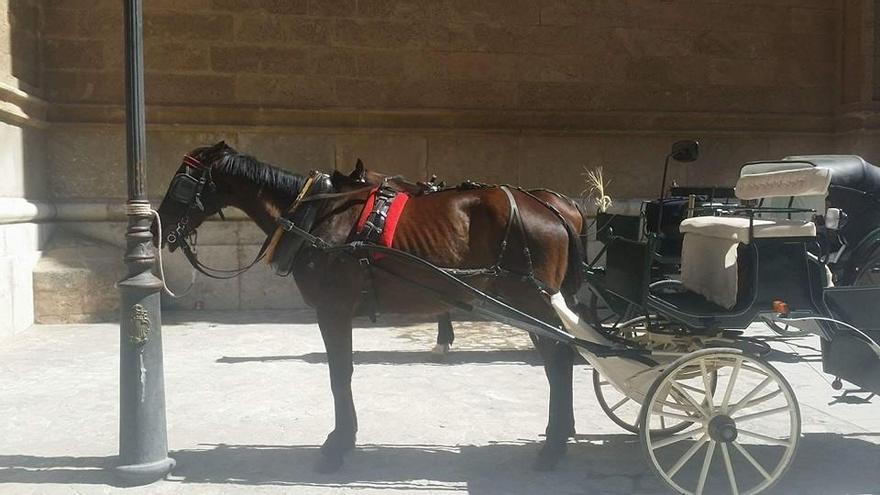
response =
{"points": [[455, 228]]}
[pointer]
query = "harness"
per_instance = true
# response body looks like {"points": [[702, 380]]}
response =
{"points": [[288, 239]]}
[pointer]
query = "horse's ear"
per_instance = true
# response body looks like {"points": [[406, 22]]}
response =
{"points": [[359, 174]]}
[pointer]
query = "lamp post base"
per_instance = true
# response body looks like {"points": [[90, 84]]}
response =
{"points": [[144, 474]]}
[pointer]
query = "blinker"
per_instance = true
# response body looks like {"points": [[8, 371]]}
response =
{"points": [[184, 189]]}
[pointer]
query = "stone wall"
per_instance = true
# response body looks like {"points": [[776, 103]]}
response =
{"points": [[22, 159], [522, 91]]}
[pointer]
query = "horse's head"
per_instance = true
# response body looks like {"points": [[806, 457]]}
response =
{"points": [[192, 196]]}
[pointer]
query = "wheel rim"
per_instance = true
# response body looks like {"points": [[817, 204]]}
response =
{"points": [[744, 433]]}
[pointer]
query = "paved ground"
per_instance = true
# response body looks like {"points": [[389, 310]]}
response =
{"points": [[249, 402]]}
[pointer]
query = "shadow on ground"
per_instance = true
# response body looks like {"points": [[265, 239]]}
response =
{"points": [[826, 464], [526, 356]]}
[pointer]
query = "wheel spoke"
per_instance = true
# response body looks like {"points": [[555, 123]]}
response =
{"points": [[687, 456], [763, 398], [745, 400], [765, 438], [662, 422], [730, 384], [692, 388], [664, 442], [687, 397], [620, 403], [762, 414], [752, 460], [707, 461], [602, 383], [709, 401], [672, 415], [728, 466]]}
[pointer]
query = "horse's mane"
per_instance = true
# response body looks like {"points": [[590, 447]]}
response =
{"points": [[262, 174]]}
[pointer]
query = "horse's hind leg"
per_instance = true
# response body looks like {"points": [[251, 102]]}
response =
{"points": [[336, 332], [558, 366]]}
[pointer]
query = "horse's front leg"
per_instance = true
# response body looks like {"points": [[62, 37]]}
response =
{"points": [[336, 332]]}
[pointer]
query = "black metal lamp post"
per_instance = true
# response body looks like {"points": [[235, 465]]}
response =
{"points": [[143, 442]]}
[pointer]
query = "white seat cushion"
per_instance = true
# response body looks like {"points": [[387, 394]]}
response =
{"points": [[737, 228]]}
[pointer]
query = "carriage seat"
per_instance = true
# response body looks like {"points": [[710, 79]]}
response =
{"points": [[709, 264], [737, 228]]}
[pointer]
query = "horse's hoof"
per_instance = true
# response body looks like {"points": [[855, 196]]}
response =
{"points": [[439, 352], [549, 457], [337, 444], [329, 463]]}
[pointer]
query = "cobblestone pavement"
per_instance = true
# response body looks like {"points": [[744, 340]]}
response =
{"points": [[249, 402]]}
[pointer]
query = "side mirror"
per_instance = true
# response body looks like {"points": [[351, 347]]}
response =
{"points": [[686, 150]]}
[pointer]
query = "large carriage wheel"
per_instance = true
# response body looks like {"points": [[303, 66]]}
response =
{"points": [[744, 434]]}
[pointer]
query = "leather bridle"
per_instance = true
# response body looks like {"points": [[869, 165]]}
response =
{"points": [[186, 189]]}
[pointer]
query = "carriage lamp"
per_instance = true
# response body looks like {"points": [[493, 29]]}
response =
{"points": [[780, 307], [834, 218]]}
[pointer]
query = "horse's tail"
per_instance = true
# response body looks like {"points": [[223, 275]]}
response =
{"points": [[571, 283]]}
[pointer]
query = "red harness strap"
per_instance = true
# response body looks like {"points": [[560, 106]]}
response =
{"points": [[391, 220]]}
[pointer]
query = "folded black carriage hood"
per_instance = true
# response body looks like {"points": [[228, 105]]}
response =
{"points": [[846, 170]]}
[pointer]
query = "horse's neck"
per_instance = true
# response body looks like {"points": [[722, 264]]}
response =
{"points": [[261, 205]]}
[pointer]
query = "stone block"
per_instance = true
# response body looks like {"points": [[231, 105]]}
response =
{"points": [[511, 12], [73, 54], [332, 61], [297, 7], [289, 91], [594, 14], [86, 162], [285, 30], [390, 34], [389, 154], [206, 293], [12, 161], [83, 86], [261, 288], [188, 26], [494, 159], [333, 8], [402, 64], [7, 304], [404, 9], [298, 153], [484, 66], [483, 37], [189, 88], [260, 60], [166, 56]]}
